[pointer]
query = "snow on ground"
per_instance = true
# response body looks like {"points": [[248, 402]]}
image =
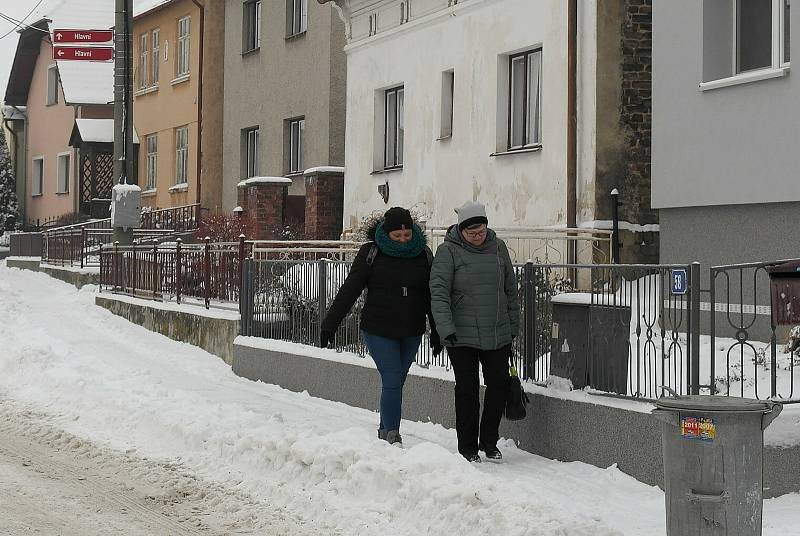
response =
{"points": [[115, 383]]}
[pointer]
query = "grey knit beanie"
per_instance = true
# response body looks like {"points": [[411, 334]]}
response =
{"points": [[471, 213]]}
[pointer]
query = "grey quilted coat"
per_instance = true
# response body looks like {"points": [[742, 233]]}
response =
{"points": [[474, 292]]}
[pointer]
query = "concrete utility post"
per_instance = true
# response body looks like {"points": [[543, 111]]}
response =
{"points": [[125, 195]]}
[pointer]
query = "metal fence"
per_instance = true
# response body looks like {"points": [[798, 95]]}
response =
{"points": [[753, 351], [287, 300], [178, 219], [209, 272], [612, 328]]}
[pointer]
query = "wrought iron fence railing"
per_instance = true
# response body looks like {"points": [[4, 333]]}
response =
{"points": [[626, 330], [754, 338], [208, 272]]}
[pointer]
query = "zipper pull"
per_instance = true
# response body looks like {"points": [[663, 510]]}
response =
{"points": [[405, 291]]}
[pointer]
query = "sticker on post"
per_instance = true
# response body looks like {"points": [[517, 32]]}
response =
{"points": [[699, 428]]}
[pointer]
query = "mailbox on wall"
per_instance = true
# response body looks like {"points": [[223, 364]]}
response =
{"points": [[784, 280]]}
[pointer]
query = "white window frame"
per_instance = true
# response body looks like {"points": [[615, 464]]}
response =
{"points": [[37, 182], [296, 133], [531, 113], [777, 68], [397, 138], [251, 26], [151, 147], [297, 17], [156, 39], [51, 97], [63, 172], [251, 152], [183, 59], [144, 65], [181, 155]]}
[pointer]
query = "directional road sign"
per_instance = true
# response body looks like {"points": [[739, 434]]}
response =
{"points": [[83, 53], [82, 36]]}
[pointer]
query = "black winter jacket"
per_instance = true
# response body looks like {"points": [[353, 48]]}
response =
{"points": [[398, 295]]}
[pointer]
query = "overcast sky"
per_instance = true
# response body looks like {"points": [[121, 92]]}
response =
{"points": [[16, 9]]}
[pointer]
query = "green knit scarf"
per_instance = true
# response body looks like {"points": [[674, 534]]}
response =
{"points": [[409, 250]]}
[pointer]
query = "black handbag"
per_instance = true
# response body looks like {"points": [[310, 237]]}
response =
{"points": [[516, 397]]}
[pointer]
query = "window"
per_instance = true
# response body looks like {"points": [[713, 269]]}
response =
{"points": [[37, 176], [524, 100], [52, 85], [144, 53], [742, 36], [296, 17], [294, 147], [405, 7], [393, 128], [250, 138], [183, 46], [152, 161], [156, 56], [373, 24], [251, 25], [181, 155], [446, 129], [63, 173]]}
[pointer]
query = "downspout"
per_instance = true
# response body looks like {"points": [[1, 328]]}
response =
{"points": [[572, 124], [22, 204], [200, 100]]}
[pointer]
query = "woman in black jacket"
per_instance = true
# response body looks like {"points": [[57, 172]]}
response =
{"points": [[395, 269]]}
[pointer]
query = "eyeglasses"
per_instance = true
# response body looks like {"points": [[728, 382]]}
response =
{"points": [[476, 233]]}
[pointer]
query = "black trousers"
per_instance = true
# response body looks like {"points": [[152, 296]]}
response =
{"points": [[495, 375]]}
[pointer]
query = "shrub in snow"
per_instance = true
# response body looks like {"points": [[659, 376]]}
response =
{"points": [[226, 228], [9, 217]]}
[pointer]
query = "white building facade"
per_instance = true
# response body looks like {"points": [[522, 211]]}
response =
{"points": [[429, 113]]}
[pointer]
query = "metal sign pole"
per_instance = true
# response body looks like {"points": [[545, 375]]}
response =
{"points": [[125, 196]]}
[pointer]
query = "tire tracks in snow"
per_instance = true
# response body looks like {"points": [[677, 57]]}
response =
{"points": [[159, 496]]}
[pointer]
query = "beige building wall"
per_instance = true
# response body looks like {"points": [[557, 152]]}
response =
{"points": [[49, 128], [286, 78], [213, 94], [171, 102]]}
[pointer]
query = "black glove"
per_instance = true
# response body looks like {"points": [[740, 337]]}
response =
{"points": [[436, 344], [326, 338], [452, 339]]}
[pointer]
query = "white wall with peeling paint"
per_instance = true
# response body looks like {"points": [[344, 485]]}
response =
{"points": [[473, 38]]}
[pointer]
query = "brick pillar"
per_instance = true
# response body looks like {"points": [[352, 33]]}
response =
{"points": [[264, 200], [324, 203]]}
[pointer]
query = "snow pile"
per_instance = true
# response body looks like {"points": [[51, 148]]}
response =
{"points": [[116, 382]]}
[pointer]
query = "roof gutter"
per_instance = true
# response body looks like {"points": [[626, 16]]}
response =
{"points": [[200, 101]]}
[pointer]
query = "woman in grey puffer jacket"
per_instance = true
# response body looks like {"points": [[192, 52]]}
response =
{"points": [[476, 308]]}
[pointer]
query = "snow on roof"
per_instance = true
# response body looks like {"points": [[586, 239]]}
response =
{"points": [[89, 82], [98, 130], [85, 82], [143, 6]]}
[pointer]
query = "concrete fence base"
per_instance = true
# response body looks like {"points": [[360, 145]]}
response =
{"points": [[73, 276], [597, 433], [214, 335]]}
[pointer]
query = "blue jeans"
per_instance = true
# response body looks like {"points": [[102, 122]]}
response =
{"points": [[393, 357]]}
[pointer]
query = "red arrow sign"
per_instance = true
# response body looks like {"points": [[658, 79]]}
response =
{"points": [[83, 53], [83, 36]]}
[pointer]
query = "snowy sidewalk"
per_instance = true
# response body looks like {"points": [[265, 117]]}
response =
{"points": [[116, 383]]}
